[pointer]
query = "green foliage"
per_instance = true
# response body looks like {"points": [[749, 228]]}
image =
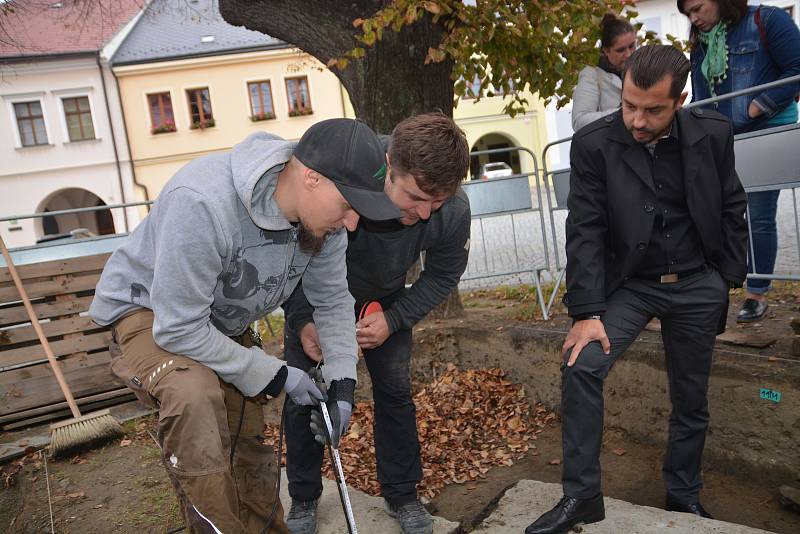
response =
{"points": [[507, 45]]}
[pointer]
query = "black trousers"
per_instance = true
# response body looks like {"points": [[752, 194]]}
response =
{"points": [[397, 449], [689, 310]]}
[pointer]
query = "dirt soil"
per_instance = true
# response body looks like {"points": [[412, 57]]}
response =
{"points": [[123, 488]]}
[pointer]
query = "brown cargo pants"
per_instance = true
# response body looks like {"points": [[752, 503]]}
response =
{"points": [[198, 416]]}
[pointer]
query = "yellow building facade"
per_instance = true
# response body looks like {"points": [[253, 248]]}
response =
{"points": [[487, 127], [235, 88]]}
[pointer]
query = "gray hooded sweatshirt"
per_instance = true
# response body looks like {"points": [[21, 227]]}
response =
{"points": [[215, 254]]}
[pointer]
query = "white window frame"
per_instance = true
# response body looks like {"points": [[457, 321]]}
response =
{"points": [[60, 95], [19, 98]]}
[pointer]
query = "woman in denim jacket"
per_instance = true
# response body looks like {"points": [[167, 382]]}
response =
{"points": [[736, 46]]}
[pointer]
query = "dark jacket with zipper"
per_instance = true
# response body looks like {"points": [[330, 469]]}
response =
{"points": [[379, 254], [612, 198]]}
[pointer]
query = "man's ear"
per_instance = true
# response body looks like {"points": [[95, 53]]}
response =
{"points": [[311, 179], [388, 168], [682, 99]]}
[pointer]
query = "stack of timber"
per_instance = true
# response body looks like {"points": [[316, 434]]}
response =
{"points": [[61, 292]]}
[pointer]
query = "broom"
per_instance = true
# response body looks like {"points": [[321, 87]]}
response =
{"points": [[82, 431]]}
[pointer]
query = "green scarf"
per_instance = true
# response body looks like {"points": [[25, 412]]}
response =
{"points": [[715, 64]]}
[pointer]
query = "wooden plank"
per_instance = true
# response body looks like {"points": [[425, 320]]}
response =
{"points": [[83, 401], [52, 329], [57, 267], [25, 394], [44, 310], [119, 396], [31, 353], [45, 288], [42, 369]]}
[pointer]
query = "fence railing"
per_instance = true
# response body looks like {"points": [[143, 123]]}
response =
{"points": [[500, 198]]}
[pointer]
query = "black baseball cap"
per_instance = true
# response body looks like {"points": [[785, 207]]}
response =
{"points": [[348, 152]]}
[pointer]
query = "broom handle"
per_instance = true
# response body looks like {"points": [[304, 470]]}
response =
{"points": [[39, 332]]}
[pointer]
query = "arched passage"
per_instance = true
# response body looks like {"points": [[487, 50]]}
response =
{"points": [[490, 142], [96, 222]]}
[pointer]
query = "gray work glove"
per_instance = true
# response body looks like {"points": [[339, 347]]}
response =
{"points": [[340, 397], [300, 388], [340, 412]]}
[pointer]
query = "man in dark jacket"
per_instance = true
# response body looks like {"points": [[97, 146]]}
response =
{"points": [[427, 158], [656, 228]]}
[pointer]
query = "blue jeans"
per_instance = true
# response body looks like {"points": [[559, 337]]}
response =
{"points": [[763, 207]]}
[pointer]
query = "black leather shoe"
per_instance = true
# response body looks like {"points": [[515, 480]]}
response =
{"points": [[695, 508], [568, 513], [752, 310]]}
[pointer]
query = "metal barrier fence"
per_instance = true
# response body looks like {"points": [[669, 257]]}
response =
{"points": [[497, 200], [67, 248], [766, 160]]}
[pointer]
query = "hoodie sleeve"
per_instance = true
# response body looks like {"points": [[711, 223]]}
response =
{"points": [[325, 288], [189, 252]]}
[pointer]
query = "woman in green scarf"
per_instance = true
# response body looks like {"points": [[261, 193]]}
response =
{"points": [[736, 46]]}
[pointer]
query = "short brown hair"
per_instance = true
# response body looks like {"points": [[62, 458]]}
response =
{"points": [[433, 149], [650, 64]]}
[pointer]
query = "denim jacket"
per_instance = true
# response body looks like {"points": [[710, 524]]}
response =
{"points": [[749, 64]]}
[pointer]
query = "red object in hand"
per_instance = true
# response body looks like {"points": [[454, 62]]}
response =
{"points": [[369, 308]]}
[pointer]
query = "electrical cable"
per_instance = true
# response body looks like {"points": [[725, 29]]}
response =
{"points": [[278, 459]]}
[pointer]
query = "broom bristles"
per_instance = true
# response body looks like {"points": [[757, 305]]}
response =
{"points": [[81, 433]]}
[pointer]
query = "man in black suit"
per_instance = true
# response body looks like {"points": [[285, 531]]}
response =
{"points": [[656, 228]]}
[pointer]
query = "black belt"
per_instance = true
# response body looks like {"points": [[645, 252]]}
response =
{"points": [[670, 278]]}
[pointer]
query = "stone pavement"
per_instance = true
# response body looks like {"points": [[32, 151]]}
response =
{"points": [[524, 502], [369, 513]]}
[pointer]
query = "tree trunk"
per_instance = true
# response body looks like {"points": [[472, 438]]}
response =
{"points": [[391, 82]]}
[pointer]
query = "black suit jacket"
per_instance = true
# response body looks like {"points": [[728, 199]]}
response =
{"points": [[612, 204]]}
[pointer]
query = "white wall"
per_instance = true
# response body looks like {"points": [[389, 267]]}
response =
{"points": [[29, 175]]}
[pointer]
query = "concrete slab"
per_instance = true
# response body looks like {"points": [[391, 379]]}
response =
{"points": [[528, 499], [368, 510]]}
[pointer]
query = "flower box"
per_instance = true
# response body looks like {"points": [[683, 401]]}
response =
{"points": [[262, 116], [299, 112], [202, 125], [164, 128]]}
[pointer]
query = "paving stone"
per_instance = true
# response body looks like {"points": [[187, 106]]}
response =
{"points": [[528, 499], [368, 511]]}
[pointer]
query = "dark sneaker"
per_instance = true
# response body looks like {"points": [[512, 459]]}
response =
{"points": [[302, 518], [752, 310], [413, 517]]}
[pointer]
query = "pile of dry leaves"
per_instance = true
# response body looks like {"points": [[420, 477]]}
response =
{"points": [[468, 422]]}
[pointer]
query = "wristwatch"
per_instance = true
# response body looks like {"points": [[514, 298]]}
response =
{"points": [[587, 317]]}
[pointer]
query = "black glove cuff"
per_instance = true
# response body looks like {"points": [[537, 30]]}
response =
{"points": [[343, 390], [275, 385]]}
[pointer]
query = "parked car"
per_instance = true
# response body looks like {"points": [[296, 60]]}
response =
{"points": [[495, 169]]}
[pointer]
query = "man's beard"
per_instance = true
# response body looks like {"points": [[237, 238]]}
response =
{"points": [[309, 243]]}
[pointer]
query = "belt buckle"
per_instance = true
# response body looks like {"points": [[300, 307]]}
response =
{"points": [[669, 278]]}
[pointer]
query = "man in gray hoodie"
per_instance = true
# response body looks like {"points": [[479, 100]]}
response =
{"points": [[227, 241]]}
